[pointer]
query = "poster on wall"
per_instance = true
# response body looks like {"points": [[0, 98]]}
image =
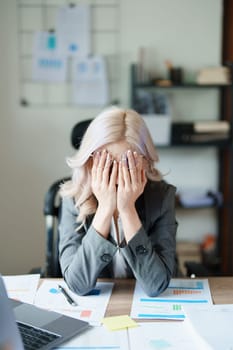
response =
{"points": [[49, 64], [90, 83], [74, 29]]}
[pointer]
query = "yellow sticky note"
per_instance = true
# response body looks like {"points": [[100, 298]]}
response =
{"points": [[118, 322]]}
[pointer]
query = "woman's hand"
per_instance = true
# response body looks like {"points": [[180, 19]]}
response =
{"points": [[104, 174], [131, 181]]}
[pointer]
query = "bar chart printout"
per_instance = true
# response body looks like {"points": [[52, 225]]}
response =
{"points": [[90, 308], [170, 303]]}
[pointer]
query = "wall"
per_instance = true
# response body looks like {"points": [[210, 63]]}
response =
{"points": [[35, 141]]}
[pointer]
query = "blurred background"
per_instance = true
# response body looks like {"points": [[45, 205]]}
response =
{"points": [[142, 52]]}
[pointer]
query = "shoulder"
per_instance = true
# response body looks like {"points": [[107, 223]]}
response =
{"points": [[68, 205], [157, 201], [159, 196], [160, 189]]}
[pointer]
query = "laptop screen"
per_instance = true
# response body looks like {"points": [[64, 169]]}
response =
{"points": [[9, 334]]}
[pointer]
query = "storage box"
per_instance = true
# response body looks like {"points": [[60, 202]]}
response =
{"points": [[159, 126]]}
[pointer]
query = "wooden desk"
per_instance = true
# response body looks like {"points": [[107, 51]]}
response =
{"points": [[120, 303], [221, 289]]}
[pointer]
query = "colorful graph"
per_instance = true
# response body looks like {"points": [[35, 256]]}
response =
{"points": [[185, 291], [169, 304], [186, 284], [82, 313]]}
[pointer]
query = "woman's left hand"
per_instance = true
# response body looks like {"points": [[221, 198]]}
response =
{"points": [[131, 181]]}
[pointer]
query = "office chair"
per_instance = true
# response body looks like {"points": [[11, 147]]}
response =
{"points": [[52, 210]]}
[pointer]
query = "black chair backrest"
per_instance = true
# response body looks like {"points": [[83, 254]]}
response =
{"points": [[78, 131]]}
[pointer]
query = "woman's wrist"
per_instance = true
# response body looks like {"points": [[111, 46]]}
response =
{"points": [[131, 222], [102, 221]]}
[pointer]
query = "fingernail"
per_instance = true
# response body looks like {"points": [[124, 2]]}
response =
{"points": [[124, 157], [109, 158]]}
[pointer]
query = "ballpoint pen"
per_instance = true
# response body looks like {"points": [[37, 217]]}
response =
{"points": [[70, 300]]}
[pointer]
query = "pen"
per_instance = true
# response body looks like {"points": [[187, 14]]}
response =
{"points": [[67, 296]]}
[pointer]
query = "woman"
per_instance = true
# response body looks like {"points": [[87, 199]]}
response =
{"points": [[118, 216]]}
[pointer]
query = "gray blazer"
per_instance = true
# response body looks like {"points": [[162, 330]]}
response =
{"points": [[150, 255]]}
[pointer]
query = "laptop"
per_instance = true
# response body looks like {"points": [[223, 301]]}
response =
{"points": [[44, 329]]}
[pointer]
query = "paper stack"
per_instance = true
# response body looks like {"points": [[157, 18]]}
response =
{"points": [[214, 75], [211, 131]]}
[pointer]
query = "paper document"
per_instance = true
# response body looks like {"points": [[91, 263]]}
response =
{"points": [[49, 68], [22, 287], [49, 62], [168, 305], [98, 338], [90, 308], [74, 29], [46, 42], [165, 336], [214, 324], [90, 84]]}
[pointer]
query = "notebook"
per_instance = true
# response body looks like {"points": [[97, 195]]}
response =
{"points": [[44, 329]]}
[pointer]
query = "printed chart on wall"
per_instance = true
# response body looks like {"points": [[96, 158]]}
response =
{"points": [[68, 52], [169, 304], [90, 308]]}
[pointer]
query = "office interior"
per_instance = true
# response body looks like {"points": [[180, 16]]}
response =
{"points": [[35, 136]]}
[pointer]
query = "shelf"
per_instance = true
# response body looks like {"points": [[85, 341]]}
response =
{"points": [[181, 86], [224, 157], [190, 141], [150, 84], [216, 203], [218, 144], [196, 207]]}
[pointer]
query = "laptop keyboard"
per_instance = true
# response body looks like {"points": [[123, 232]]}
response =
{"points": [[35, 338]]}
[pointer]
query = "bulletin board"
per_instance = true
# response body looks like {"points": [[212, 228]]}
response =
{"points": [[40, 15]]}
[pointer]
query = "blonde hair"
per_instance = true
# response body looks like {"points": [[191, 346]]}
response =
{"points": [[111, 126]]}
